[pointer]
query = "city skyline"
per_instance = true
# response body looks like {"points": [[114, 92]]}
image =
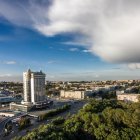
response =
{"points": [[99, 44]]}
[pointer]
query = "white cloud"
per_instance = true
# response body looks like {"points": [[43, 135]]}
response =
{"points": [[51, 62], [134, 66], [6, 75], [72, 43], [73, 49], [110, 26], [10, 62], [86, 51], [97, 76], [11, 78]]}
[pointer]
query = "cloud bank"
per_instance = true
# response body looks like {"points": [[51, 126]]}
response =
{"points": [[112, 27]]}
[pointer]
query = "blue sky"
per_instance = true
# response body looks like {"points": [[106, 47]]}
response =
{"points": [[62, 55]]}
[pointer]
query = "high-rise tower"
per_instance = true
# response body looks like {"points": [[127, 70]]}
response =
{"points": [[37, 87], [27, 86], [34, 87]]}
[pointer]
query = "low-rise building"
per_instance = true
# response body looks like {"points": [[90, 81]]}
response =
{"points": [[74, 94], [8, 114], [6, 99], [118, 92], [128, 97], [20, 107]]}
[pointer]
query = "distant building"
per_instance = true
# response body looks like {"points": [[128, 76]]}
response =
{"points": [[5, 92], [128, 97], [119, 92], [74, 94]]}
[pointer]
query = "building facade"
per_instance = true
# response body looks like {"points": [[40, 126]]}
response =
{"points": [[34, 87], [37, 87], [27, 86], [74, 94], [20, 107], [128, 97]]}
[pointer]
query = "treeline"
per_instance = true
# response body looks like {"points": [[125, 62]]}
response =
{"points": [[54, 112], [58, 121], [98, 120]]}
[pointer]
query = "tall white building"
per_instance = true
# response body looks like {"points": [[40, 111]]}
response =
{"points": [[27, 86], [34, 87]]}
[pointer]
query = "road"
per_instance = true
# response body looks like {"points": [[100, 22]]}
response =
{"points": [[74, 109], [2, 124]]}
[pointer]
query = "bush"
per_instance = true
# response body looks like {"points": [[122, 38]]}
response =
{"points": [[58, 121], [24, 123], [54, 112]]}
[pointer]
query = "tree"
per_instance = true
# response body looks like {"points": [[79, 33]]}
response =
{"points": [[24, 122], [98, 120]]}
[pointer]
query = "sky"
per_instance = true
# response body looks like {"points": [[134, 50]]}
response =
{"points": [[70, 40]]}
